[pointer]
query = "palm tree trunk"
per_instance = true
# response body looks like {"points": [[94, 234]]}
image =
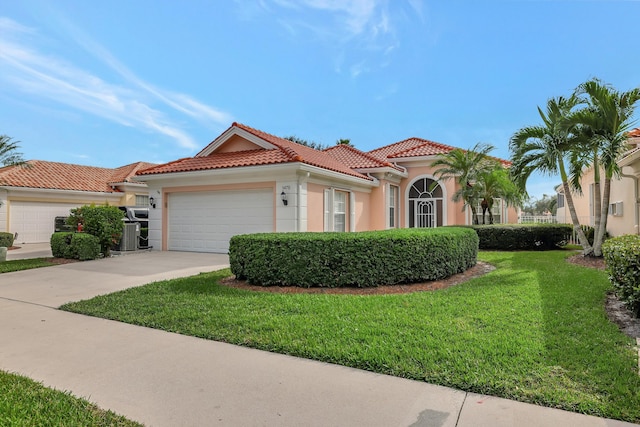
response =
{"points": [[474, 215], [597, 198], [599, 232], [584, 242]]}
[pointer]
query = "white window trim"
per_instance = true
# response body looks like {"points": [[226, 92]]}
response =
{"points": [[396, 207], [616, 209], [329, 209]]}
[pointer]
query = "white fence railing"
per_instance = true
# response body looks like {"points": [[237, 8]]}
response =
{"points": [[537, 219]]}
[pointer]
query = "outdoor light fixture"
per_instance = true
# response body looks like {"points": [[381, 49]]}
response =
{"points": [[285, 199], [152, 202]]}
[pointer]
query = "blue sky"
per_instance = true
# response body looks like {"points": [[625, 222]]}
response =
{"points": [[112, 83]]}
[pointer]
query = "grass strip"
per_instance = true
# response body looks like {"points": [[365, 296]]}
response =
{"points": [[24, 402], [24, 264], [533, 330]]}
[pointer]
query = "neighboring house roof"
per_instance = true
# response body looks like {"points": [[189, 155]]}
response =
{"points": [[65, 176], [357, 159], [283, 151], [418, 147], [634, 133], [411, 147]]}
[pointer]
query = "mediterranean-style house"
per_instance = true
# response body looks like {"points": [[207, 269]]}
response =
{"points": [[624, 202], [32, 196], [248, 181]]}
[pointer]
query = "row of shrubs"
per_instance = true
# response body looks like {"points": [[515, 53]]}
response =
{"points": [[518, 237], [622, 258], [71, 245], [6, 239], [362, 259]]}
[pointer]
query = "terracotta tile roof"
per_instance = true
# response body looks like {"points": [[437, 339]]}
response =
{"points": [[65, 176], [220, 161], [357, 159], [124, 173], [418, 147], [285, 152], [634, 133], [411, 147]]}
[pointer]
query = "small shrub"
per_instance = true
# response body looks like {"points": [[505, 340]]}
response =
{"points": [[362, 259], [6, 240], [70, 245], [622, 258], [61, 244], [104, 222], [85, 246], [522, 237]]}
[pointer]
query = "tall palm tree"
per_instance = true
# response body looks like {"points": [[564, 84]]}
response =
{"points": [[544, 148], [606, 119], [8, 154], [464, 166]]}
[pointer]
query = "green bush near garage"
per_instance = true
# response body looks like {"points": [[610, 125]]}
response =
{"points": [[80, 246], [362, 259], [622, 258], [6, 240], [522, 237]]}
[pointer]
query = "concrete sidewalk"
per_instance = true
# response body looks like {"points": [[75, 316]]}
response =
{"points": [[165, 379]]}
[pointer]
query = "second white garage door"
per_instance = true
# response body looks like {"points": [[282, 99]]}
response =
{"points": [[35, 221], [204, 222]]}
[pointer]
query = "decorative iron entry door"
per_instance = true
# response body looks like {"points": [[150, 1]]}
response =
{"points": [[425, 213]]}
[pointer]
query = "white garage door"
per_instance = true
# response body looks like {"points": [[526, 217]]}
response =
{"points": [[204, 222], [35, 221]]}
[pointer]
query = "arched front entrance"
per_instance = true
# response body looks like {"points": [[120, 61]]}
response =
{"points": [[426, 204]]}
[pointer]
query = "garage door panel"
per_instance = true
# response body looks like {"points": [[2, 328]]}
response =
{"points": [[35, 221], [204, 222]]}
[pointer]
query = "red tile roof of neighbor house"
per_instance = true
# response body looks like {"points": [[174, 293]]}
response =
{"points": [[65, 176], [285, 151], [411, 147], [634, 133], [417, 147], [357, 159]]}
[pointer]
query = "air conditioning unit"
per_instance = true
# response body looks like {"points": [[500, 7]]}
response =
{"points": [[129, 240]]}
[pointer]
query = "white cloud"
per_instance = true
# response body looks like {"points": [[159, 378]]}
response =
{"points": [[361, 28], [31, 71]]}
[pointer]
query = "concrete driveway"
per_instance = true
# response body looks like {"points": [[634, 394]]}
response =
{"points": [[166, 379]]}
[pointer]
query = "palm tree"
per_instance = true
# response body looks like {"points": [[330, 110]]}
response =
{"points": [[464, 166], [8, 154], [494, 184], [544, 149], [605, 120]]}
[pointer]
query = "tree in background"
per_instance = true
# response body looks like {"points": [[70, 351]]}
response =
{"points": [[466, 168], [311, 144], [344, 141], [496, 183], [9, 155], [542, 206]]}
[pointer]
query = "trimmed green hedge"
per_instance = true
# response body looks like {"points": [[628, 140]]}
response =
{"points": [[362, 259], [622, 258], [70, 245], [6, 240], [522, 237]]}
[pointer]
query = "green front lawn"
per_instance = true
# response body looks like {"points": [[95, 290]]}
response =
{"points": [[533, 330], [24, 402], [24, 264]]}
